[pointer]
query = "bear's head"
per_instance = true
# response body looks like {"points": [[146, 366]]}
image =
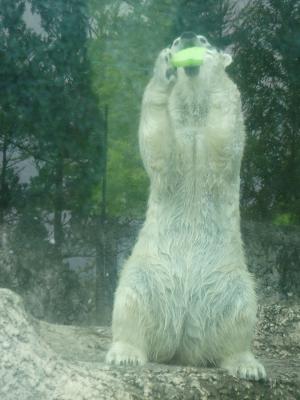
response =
{"points": [[213, 64]]}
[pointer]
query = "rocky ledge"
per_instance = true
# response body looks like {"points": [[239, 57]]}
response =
{"points": [[42, 361]]}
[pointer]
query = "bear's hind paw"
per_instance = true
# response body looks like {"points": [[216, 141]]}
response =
{"points": [[125, 354], [245, 366]]}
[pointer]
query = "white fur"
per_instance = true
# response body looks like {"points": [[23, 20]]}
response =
{"points": [[185, 293]]}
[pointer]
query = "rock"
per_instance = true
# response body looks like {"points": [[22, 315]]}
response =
{"points": [[42, 361]]}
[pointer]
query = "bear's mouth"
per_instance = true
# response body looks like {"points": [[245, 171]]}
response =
{"points": [[192, 71]]}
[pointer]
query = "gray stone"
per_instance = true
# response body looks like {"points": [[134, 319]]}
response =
{"points": [[42, 361]]}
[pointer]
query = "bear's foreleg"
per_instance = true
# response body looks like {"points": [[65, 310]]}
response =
{"points": [[155, 137]]}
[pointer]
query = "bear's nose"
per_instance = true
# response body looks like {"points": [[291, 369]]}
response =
{"points": [[188, 39]]}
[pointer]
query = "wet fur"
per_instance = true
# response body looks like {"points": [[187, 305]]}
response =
{"points": [[185, 294]]}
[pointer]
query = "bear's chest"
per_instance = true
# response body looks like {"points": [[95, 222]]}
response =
{"points": [[190, 115], [188, 112], [188, 120]]}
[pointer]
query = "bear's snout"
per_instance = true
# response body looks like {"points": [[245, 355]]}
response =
{"points": [[188, 39]]}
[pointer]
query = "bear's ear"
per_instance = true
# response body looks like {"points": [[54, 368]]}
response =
{"points": [[227, 59]]}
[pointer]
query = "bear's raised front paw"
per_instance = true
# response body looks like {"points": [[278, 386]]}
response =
{"points": [[125, 354], [245, 366], [164, 73]]}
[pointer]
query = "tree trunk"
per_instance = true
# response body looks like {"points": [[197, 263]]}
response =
{"points": [[3, 187], [102, 273], [58, 205], [102, 277]]}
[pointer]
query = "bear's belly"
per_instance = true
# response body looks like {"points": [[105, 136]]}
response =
{"points": [[193, 233], [189, 257], [184, 256]]}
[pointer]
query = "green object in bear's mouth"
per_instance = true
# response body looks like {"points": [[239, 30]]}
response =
{"points": [[189, 57]]}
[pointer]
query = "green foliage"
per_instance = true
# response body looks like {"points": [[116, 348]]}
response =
{"points": [[213, 19], [123, 48], [267, 51], [284, 219], [54, 85], [49, 112], [14, 49]]}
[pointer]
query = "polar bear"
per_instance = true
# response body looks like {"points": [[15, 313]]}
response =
{"points": [[185, 294]]}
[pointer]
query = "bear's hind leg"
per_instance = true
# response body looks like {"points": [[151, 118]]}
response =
{"points": [[129, 344], [238, 360]]}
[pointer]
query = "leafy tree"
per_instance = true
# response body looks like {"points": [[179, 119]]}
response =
{"points": [[213, 19], [14, 68], [267, 57], [66, 123], [49, 115], [126, 41]]}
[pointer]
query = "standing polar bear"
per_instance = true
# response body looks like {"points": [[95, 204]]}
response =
{"points": [[185, 294]]}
